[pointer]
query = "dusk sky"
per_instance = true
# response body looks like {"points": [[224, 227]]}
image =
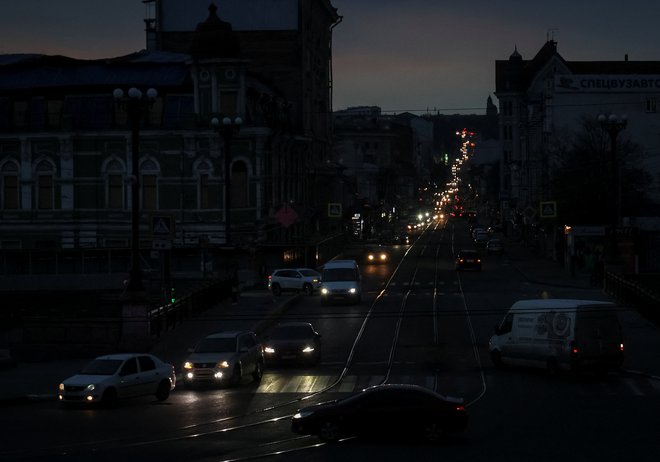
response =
{"points": [[410, 55]]}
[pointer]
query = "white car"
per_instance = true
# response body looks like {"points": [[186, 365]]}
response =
{"points": [[117, 376], [224, 358], [303, 280]]}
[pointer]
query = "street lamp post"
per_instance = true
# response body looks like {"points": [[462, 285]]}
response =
{"points": [[613, 124], [135, 104], [227, 129]]}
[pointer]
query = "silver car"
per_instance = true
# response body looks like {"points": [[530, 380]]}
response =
{"points": [[224, 358], [111, 377], [303, 280]]}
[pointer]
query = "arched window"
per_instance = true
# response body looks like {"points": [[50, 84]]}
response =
{"points": [[45, 174], [239, 185], [203, 171], [149, 171], [115, 172], [10, 186]]}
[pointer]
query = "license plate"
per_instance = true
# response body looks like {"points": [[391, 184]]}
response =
{"points": [[469, 261], [288, 356]]}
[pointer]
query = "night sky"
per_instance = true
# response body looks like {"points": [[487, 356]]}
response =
{"points": [[412, 55]]}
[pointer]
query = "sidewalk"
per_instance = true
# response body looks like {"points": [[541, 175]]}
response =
{"points": [[29, 381]]}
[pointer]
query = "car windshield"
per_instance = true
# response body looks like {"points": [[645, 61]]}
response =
{"points": [[102, 367], [216, 345], [339, 274], [291, 333]]}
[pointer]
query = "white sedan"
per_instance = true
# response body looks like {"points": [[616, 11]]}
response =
{"points": [[126, 375]]}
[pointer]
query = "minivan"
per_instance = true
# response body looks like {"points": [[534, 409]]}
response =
{"points": [[559, 334], [341, 281]]}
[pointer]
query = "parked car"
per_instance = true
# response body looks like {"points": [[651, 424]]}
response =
{"points": [[494, 246], [224, 358], [303, 280], [376, 255], [384, 411], [559, 334], [118, 376], [468, 259], [296, 342]]}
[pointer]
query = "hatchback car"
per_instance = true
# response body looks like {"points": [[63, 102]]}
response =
{"points": [[224, 358], [303, 280], [111, 377], [468, 259], [295, 342], [384, 411]]}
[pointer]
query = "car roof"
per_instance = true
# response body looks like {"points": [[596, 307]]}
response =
{"points": [[227, 334], [555, 304], [122, 356]]}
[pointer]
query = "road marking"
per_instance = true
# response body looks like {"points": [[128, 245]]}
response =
{"points": [[348, 384]]}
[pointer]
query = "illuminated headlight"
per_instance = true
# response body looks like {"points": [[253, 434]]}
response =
{"points": [[370, 257], [218, 375], [190, 375], [302, 414], [61, 387], [383, 256], [187, 365], [352, 290], [269, 350], [325, 291], [315, 280], [91, 387], [222, 365], [308, 349]]}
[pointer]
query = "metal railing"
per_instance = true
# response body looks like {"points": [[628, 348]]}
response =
{"points": [[633, 294]]}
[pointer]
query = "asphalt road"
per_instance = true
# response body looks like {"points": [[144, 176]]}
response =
{"points": [[420, 322]]}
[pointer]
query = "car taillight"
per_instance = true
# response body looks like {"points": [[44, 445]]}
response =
{"points": [[270, 277], [574, 349], [621, 347], [460, 408]]}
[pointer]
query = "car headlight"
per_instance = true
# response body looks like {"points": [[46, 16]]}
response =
{"points": [[269, 349], [61, 387], [324, 291], [308, 349], [383, 256], [91, 387], [302, 414], [222, 364], [352, 290], [370, 257], [187, 365]]}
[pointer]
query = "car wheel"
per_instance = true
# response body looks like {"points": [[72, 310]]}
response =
{"points": [[109, 397], [258, 371], [163, 391], [308, 289], [496, 358], [433, 432], [277, 290], [329, 431], [236, 376]]}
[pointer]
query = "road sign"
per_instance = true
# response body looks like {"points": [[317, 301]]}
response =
{"points": [[548, 209], [334, 210], [286, 216], [162, 226]]}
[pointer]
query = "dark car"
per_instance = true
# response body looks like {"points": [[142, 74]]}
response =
{"points": [[295, 342], [384, 411], [468, 259], [375, 255]]}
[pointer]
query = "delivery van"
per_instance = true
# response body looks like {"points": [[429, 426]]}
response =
{"points": [[559, 334], [341, 280]]}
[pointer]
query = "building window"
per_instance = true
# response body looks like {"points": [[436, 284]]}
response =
{"points": [[204, 202], [9, 179], [507, 108], [115, 191], [149, 192], [239, 185], [44, 191], [508, 132], [651, 105]]}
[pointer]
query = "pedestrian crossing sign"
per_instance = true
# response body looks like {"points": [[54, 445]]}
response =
{"points": [[162, 226], [548, 209]]}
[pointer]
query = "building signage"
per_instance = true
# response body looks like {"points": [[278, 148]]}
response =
{"points": [[548, 209], [607, 83]]}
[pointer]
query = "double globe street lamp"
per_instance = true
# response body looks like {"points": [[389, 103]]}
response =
{"points": [[136, 104], [227, 128]]}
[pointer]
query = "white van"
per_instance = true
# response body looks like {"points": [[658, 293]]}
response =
{"points": [[341, 280], [560, 334]]}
